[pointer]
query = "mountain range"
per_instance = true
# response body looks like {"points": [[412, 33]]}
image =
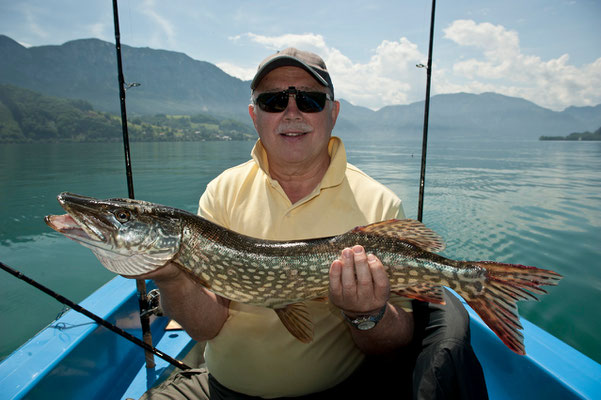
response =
{"points": [[174, 83]]}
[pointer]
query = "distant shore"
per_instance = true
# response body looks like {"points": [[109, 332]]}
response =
{"points": [[576, 136]]}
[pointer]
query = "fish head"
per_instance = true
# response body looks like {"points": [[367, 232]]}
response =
{"points": [[129, 237]]}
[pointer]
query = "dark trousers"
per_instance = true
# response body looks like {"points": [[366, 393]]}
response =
{"points": [[445, 364], [439, 364]]}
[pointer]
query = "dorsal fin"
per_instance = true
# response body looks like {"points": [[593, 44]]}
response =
{"points": [[423, 292], [297, 320], [408, 230]]}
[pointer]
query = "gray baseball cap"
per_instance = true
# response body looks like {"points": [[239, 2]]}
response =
{"points": [[310, 62]]}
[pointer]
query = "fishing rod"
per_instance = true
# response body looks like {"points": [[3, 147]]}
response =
{"points": [[95, 317], [140, 283], [122, 89], [422, 178]]}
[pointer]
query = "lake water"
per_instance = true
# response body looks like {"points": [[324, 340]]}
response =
{"points": [[528, 202]]}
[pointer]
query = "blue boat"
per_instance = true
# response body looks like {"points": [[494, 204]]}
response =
{"points": [[75, 358]]}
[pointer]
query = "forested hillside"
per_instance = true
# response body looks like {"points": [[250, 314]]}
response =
{"points": [[173, 83], [27, 116]]}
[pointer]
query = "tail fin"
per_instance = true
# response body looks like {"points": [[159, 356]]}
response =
{"points": [[506, 284]]}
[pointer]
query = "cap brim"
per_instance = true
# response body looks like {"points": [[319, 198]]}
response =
{"points": [[285, 61]]}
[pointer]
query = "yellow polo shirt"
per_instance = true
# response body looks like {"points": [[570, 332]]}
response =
{"points": [[253, 353]]}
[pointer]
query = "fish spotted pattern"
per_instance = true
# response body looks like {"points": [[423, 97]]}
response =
{"points": [[132, 237]]}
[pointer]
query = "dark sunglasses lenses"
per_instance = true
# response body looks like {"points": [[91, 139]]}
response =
{"points": [[307, 102]]}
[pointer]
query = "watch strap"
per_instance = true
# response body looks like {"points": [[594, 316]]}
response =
{"points": [[366, 322]]}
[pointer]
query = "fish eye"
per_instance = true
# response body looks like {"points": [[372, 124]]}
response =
{"points": [[122, 215]]}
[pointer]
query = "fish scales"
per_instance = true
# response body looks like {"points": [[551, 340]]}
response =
{"points": [[132, 237], [257, 272], [275, 274]]}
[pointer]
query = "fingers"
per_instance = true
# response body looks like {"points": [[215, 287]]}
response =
{"points": [[364, 282], [336, 282], [358, 281], [349, 281]]}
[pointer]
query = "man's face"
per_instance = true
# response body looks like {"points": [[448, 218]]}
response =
{"points": [[291, 137]]}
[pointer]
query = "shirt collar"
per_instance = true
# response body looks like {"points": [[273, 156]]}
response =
{"points": [[336, 170]]}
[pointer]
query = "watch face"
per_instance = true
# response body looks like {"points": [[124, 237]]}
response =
{"points": [[365, 325]]}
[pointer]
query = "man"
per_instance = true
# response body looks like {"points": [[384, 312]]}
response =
{"points": [[298, 185]]}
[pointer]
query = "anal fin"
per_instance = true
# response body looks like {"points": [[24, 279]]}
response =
{"points": [[297, 320]]}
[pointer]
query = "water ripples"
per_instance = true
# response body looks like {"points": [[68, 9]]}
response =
{"points": [[533, 203]]}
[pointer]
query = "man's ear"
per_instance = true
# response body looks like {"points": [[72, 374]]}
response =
{"points": [[253, 114], [335, 111]]}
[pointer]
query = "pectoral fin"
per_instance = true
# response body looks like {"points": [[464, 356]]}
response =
{"points": [[297, 320]]}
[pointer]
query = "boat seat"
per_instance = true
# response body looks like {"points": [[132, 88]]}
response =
{"points": [[176, 343]]}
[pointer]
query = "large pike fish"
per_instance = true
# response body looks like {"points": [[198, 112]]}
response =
{"points": [[132, 237]]}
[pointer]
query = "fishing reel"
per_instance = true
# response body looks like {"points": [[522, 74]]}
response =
{"points": [[153, 304]]}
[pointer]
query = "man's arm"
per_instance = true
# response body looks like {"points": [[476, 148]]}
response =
{"points": [[359, 285], [200, 312]]}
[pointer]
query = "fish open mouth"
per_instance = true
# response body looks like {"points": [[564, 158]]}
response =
{"points": [[99, 226], [73, 229], [82, 223]]}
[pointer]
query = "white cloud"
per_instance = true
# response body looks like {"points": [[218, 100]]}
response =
{"points": [[97, 30], [164, 35], [33, 16], [246, 74], [504, 68], [308, 41], [389, 77], [24, 44], [499, 65], [494, 39]]}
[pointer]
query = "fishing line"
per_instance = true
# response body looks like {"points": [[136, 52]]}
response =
{"points": [[95, 317], [131, 40]]}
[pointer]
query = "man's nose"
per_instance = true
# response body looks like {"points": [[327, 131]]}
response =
{"points": [[292, 111]]}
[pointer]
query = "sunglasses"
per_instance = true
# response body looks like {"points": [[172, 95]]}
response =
{"points": [[307, 102]]}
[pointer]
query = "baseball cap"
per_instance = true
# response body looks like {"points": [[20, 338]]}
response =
{"points": [[310, 62]]}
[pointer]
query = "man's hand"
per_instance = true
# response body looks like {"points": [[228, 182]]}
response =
{"points": [[359, 285], [358, 282], [200, 312]]}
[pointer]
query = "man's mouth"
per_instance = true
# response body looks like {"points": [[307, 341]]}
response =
{"points": [[293, 134], [294, 129]]}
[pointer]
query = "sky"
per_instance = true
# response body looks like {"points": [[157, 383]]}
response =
{"points": [[546, 51]]}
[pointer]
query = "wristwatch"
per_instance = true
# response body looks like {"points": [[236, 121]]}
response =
{"points": [[366, 322]]}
